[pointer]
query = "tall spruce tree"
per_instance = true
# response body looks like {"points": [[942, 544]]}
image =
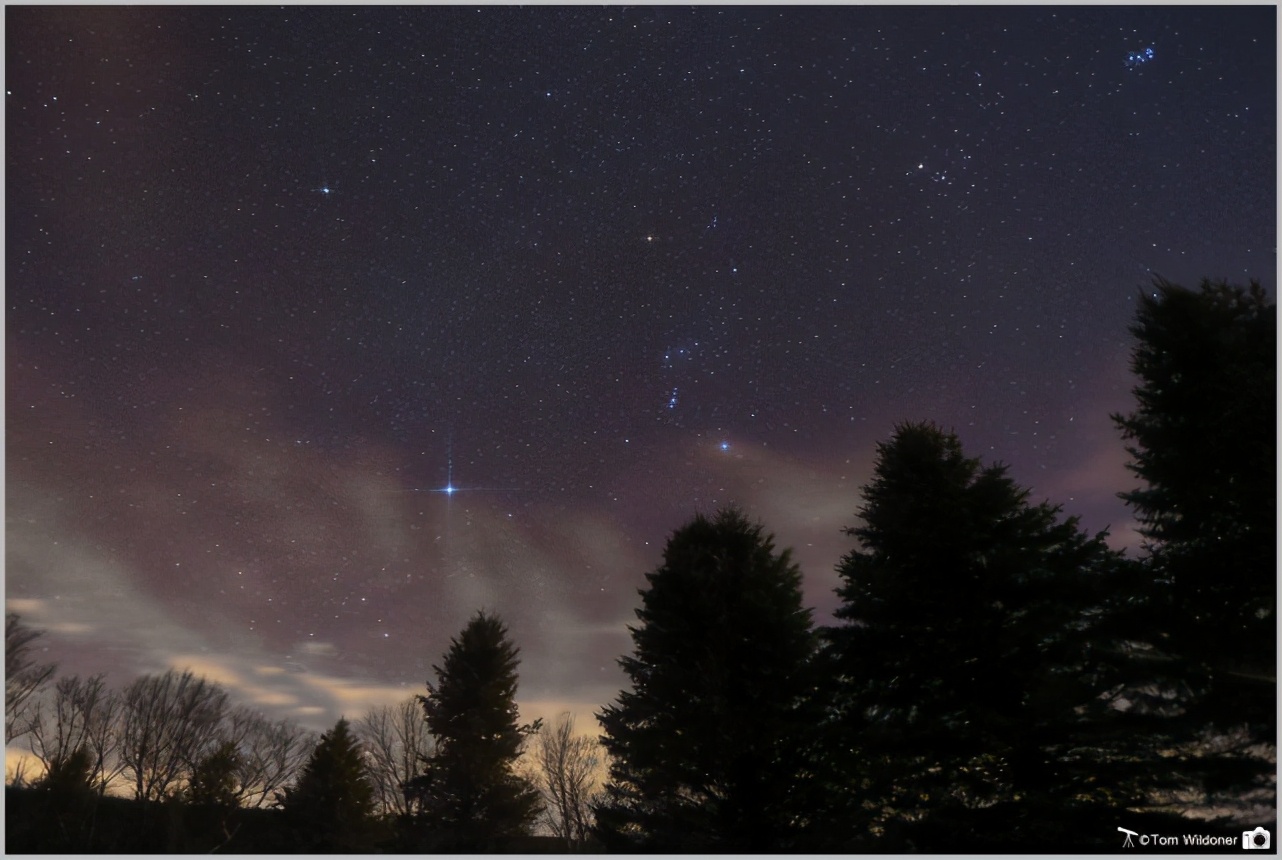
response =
{"points": [[1203, 440], [470, 796], [708, 747], [330, 808], [965, 650]]}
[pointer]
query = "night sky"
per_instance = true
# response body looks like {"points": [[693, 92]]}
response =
{"points": [[276, 278]]}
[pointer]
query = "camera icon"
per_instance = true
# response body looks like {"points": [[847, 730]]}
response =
{"points": [[1258, 838]]}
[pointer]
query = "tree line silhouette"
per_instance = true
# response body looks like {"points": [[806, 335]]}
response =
{"points": [[996, 679]]}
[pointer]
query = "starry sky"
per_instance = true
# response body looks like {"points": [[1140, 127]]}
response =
{"points": [[276, 278]]}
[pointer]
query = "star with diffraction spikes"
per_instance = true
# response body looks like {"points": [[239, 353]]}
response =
{"points": [[449, 489]]}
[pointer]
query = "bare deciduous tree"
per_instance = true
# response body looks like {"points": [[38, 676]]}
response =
{"points": [[159, 730], [396, 740], [566, 768], [20, 775], [82, 714], [23, 676], [168, 723], [270, 755]]}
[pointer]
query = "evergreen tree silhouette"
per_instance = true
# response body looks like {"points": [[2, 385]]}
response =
{"points": [[66, 815], [213, 779], [330, 807], [212, 799], [470, 796], [966, 647], [1203, 440], [708, 746]]}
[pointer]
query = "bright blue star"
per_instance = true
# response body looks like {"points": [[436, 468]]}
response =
{"points": [[724, 446]]}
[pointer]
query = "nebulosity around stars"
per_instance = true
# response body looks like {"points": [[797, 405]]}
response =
{"points": [[328, 327]]}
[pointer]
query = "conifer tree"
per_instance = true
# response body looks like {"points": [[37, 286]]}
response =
{"points": [[330, 807], [708, 745], [213, 779], [65, 818], [1203, 440], [470, 796], [211, 798], [966, 646]]}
